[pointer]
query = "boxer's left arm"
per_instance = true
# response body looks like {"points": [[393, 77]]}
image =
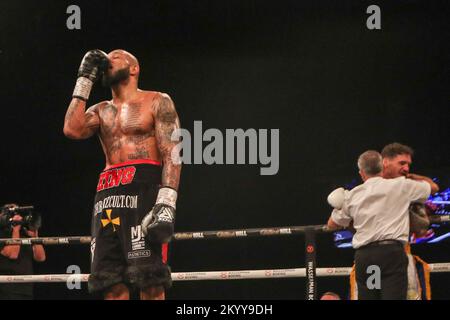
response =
{"points": [[166, 122], [158, 224]]}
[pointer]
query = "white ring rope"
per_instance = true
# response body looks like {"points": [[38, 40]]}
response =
{"points": [[212, 275]]}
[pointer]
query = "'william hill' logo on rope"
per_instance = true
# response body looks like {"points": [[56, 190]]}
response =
{"points": [[114, 221], [112, 178]]}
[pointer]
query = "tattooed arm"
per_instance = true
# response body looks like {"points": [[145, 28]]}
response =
{"points": [[158, 224], [166, 121], [79, 124]]}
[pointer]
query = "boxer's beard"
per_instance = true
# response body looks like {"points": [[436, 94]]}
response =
{"points": [[110, 80]]}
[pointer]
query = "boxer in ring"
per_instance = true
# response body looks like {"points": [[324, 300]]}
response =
{"points": [[134, 210]]}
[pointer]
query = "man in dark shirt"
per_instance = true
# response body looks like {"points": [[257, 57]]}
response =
{"points": [[18, 260]]}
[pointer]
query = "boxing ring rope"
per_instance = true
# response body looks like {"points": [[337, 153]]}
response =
{"points": [[218, 234], [212, 275], [439, 218], [311, 272]]}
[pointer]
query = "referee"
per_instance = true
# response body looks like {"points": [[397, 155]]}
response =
{"points": [[380, 215]]}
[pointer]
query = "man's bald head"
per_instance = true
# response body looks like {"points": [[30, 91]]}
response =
{"points": [[132, 60], [123, 67]]}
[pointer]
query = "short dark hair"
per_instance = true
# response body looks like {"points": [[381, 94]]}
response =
{"points": [[394, 149], [370, 162]]}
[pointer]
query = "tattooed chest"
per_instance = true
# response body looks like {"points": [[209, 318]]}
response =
{"points": [[128, 119]]}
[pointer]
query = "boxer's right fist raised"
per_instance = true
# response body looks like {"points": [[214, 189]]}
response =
{"points": [[94, 63]]}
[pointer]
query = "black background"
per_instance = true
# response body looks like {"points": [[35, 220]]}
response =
{"points": [[310, 68]]}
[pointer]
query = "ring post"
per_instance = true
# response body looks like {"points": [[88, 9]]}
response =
{"points": [[310, 259]]}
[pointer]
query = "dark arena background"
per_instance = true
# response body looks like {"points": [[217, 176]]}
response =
{"points": [[311, 69]]}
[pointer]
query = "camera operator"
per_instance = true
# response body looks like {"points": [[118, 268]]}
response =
{"points": [[17, 259]]}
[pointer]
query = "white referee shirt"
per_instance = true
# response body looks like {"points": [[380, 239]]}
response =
{"points": [[379, 209]]}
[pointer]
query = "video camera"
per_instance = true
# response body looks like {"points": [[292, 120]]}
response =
{"points": [[31, 219]]}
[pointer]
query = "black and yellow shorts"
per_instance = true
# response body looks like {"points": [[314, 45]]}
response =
{"points": [[120, 254]]}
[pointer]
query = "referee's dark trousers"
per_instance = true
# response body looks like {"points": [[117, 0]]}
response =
{"points": [[390, 257]]}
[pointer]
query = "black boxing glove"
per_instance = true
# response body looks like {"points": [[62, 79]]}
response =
{"points": [[158, 224], [93, 65]]}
